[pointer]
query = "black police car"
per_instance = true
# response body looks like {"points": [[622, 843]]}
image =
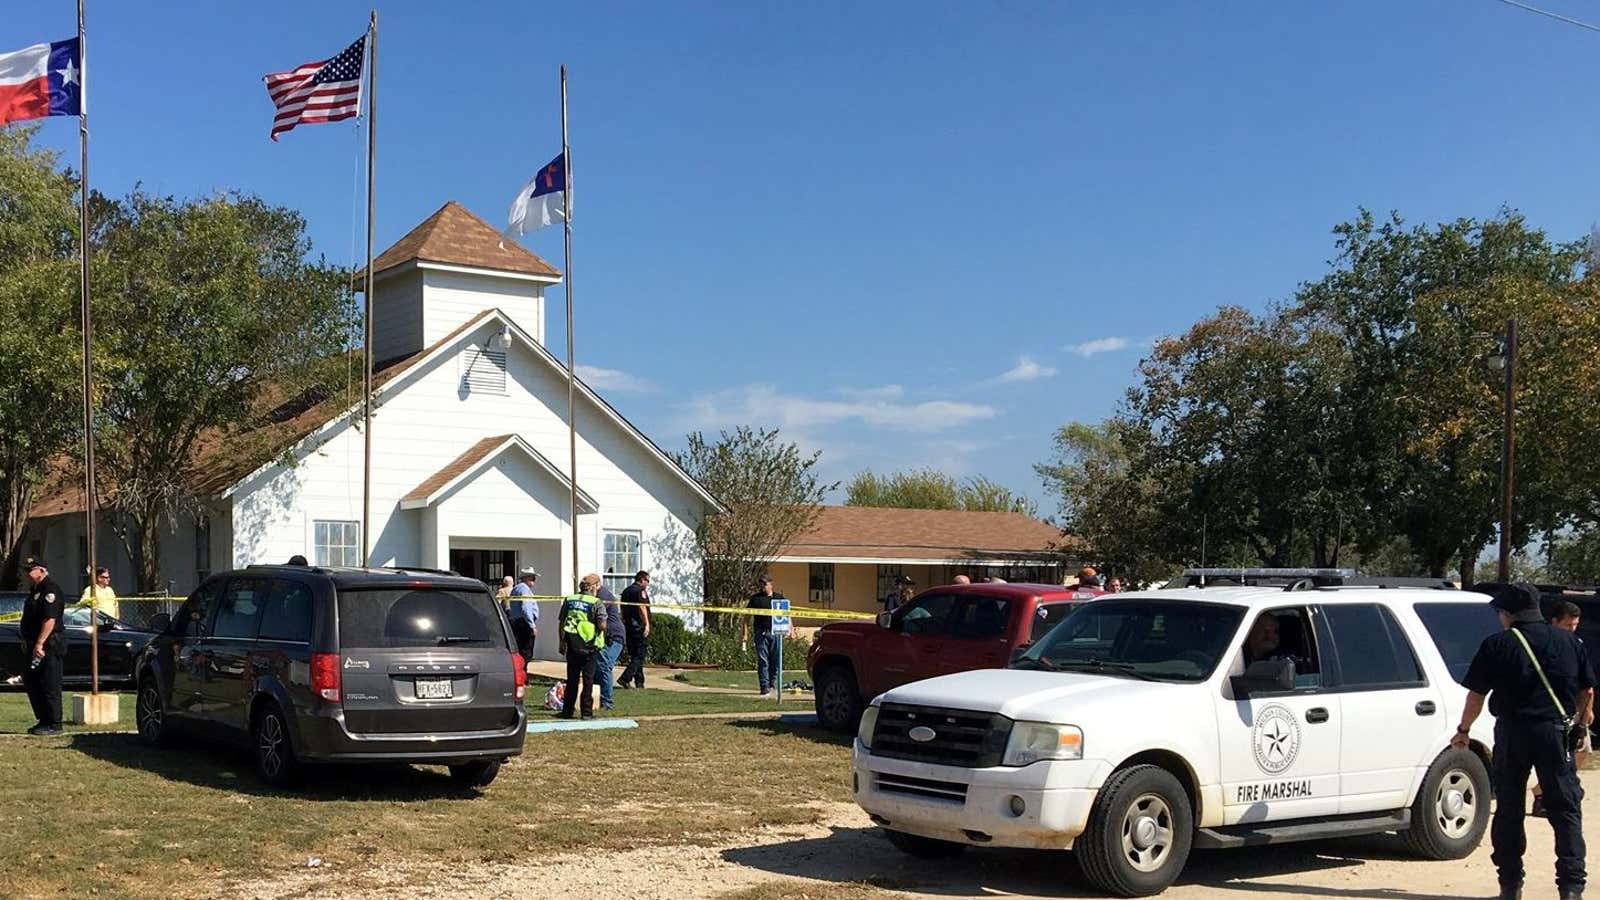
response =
{"points": [[314, 665]]}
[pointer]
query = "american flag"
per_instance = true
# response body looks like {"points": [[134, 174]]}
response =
{"points": [[324, 91]]}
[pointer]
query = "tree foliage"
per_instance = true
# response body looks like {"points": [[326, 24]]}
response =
{"points": [[209, 314], [1359, 422], [931, 489], [39, 328], [772, 494]]}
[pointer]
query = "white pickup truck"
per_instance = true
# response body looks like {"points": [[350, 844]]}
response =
{"points": [[1148, 724]]}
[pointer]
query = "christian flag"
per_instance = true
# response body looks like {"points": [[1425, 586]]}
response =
{"points": [[42, 80], [541, 201]]}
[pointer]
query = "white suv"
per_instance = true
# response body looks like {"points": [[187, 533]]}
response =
{"points": [[1143, 726]]}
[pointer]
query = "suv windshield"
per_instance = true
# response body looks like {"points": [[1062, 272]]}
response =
{"points": [[417, 617], [1165, 640]]}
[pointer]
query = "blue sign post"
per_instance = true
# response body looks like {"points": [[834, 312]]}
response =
{"points": [[780, 630]]}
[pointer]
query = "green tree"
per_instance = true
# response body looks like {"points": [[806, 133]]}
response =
{"points": [[931, 489], [210, 315], [1575, 558], [39, 327], [772, 494], [1373, 301], [1110, 503]]}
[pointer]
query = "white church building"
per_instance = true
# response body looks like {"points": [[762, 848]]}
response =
{"points": [[469, 450]]}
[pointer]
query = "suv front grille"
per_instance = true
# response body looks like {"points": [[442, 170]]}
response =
{"points": [[963, 738], [926, 788]]}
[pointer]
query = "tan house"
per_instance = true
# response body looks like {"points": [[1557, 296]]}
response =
{"points": [[851, 557]]}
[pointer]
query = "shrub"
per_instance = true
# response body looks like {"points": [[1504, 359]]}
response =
{"points": [[671, 642]]}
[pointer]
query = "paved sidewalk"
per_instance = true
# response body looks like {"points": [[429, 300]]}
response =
{"points": [[655, 677]]}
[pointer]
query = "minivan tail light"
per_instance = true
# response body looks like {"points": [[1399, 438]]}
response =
{"points": [[325, 676], [519, 674]]}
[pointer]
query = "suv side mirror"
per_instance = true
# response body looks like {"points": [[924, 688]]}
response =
{"points": [[160, 622], [886, 620], [1264, 676]]}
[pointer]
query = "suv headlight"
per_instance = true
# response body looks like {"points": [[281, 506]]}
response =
{"points": [[869, 723], [1031, 742]]}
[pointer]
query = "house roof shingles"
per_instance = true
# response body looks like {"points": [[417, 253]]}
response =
{"points": [[454, 236], [886, 533]]}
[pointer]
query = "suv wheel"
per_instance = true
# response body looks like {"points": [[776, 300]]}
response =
{"points": [[923, 847], [475, 774], [149, 715], [275, 760], [1452, 807], [837, 699], [1139, 833]]}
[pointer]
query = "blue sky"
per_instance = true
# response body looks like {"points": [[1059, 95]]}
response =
{"points": [[907, 233]]}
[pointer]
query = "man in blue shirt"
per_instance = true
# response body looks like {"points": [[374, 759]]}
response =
{"points": [[606, 660], [525, 613]]}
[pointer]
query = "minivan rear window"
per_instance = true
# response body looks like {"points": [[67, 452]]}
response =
{"points": [[417, 617], [1457, 629]]}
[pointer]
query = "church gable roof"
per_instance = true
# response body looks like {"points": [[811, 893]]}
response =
{"points": [[454, 236]]}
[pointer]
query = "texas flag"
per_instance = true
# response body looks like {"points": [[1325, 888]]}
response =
{"points": [[42, 80]]}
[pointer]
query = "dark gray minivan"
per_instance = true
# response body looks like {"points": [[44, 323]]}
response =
{"points": [[313, 665]]}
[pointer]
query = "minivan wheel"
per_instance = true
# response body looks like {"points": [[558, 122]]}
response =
{"points": [[149, 715], [1139, 833], [475, 774], [275, 760], [837, 699], [923, 847], [1452, 807]]}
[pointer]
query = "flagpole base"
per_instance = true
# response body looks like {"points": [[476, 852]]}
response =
{"points": [[94, 709]]}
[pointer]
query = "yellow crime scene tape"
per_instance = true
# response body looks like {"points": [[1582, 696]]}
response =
{"points": [[794, 612]]}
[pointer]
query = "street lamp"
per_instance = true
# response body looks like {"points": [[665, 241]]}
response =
{"points": [[1505, 359]]}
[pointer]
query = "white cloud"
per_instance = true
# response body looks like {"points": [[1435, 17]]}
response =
{"points": [[885, 392], [1026, 369], [1099, 345], [614, 380], [764, 404]]}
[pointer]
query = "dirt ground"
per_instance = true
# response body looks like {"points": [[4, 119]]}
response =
{"points": [[844, 856]]}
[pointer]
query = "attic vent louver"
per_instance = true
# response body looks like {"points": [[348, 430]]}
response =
{"points": [[483, 370]]}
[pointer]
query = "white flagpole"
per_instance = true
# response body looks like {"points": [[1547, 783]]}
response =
{"points": [[88, 364], [366, 305], [572, 422]]}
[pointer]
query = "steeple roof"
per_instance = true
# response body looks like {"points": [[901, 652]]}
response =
{"points": [[455, 236]]}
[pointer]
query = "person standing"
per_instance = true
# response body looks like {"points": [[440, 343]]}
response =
{"points": [[100, 595], [1566, 615], [767, 674], [583, 633], [903, 589], [1534, 676], [44, 646], [503, 592], [606, 661], [636, 620], [961, 579], [525, 613]]}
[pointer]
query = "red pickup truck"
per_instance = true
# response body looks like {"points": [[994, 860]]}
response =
{"points": [[941, 630]]}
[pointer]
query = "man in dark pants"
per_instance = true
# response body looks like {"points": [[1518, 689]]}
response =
{"points": [[1529, 732], [583, 633], [636, 619], [44, 646], [767, 674]]}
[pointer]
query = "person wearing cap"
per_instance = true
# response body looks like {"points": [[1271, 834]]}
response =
{"points": [[903, 590], [44, 646], [1088, 586], [636, 620], [1529, 731], [525, 613], [768, 678]]}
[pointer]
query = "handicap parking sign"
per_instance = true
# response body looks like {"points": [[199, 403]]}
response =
{"points": [[780, 616]]}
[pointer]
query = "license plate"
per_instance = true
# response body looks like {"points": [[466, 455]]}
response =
{"points": [[435, 689]]}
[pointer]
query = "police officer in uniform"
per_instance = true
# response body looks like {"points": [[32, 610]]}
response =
{"points": [[44, 646], [583, 634], [1529, 733]]}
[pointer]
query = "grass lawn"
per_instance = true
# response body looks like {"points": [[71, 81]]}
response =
{"points": [[101, 811], [651, 702], [720, 678], [16, 716]]}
